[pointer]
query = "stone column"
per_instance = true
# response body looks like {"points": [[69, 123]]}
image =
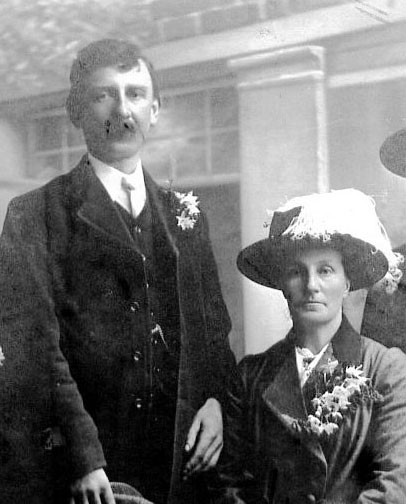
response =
{"points": [[283, 153]]}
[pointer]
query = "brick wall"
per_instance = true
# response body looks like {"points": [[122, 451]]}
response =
{"points": [[179, 19]]}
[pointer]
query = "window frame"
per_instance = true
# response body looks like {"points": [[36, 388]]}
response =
{"points": [[197, 180]]}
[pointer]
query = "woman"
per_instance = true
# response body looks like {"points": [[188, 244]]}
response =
{"points": [[323, 417]]}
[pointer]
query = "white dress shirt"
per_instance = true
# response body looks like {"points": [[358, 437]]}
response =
{"points": [[304, 367], [112, 179]]}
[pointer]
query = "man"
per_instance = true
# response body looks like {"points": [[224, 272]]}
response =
{"points": [[116, 282], [384, 316]]}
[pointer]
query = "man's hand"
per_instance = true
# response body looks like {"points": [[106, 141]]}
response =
{"points": [[94, 488], [205, 438]]}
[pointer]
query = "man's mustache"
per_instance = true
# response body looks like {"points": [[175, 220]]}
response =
{"points": [[119, 126]]}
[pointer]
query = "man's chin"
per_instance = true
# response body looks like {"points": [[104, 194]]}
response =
{"points": [[119, 149]]}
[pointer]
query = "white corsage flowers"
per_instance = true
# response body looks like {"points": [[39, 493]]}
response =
{"points": [[188, 211], [340, 390]]}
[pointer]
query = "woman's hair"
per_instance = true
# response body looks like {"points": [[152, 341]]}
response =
{"points": [[99, 54]]}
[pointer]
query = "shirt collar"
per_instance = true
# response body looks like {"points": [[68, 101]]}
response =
{"points": [[111, 178], [304, 369]]}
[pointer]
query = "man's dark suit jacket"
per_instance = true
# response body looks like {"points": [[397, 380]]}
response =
{"points": [[68, 267], [384, 316]]}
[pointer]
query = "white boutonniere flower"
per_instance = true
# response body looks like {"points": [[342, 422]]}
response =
{"points": [[188, 211]]}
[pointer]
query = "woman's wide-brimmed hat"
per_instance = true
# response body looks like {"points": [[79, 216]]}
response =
{"points": [[393, 153], [126, 494], [344, 220]]}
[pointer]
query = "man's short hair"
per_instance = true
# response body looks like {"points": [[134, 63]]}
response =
{"points": [[99, 54]]}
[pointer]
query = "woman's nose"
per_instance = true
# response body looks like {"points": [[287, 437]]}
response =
{"points": [[312, 282]]}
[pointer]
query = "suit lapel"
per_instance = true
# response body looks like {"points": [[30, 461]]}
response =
{"points": [[283, 395], [347, 344], [160, 206], [95, 207]]}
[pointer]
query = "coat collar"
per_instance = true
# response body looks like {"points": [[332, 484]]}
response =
{"points": [[95, 208], [346, 344], [284, 396]]}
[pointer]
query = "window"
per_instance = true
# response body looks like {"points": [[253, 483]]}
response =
{"points": [[196, 137], [195, 140], [56, 145]]}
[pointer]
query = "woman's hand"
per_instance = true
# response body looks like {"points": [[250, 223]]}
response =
{"points": [[207, 431], [94, 488]]}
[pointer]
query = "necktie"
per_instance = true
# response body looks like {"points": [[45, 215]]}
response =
{"points": [[135, 204]]}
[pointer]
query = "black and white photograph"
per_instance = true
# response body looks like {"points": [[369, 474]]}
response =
{"points": [[202, 252]]}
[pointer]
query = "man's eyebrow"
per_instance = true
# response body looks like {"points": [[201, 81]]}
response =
{"points": [[137, 86], [98, 87], [113, 86]]}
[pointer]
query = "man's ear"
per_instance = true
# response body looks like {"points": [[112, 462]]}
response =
{"points": [[154, 112], [73, 107], [77, 120]]}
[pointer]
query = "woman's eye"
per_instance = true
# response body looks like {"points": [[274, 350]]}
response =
{"points": [[326, 270], [292, 272]]}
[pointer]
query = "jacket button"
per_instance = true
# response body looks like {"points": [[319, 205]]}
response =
{"points": [[138, 403], [134, 306], [137, 356]]}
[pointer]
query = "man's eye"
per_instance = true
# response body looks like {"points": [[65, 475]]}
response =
{"points": [[99, 97], [134, 94]]}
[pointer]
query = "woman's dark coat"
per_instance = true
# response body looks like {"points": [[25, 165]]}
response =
{"points": [[365, 462], [68, 266]]}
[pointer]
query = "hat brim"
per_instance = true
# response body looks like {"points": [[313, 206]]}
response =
{"points": [[393, 153], [126, 494], [264, 261]]}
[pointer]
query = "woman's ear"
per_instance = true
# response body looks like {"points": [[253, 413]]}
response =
{"points": [[347, 287]]}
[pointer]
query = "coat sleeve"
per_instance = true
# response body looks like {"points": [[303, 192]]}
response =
{"points": [[27, 309], [237, 479], [223, 367], [386, 446]]}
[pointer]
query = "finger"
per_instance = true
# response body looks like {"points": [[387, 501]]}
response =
{"points": [[211, 458], [192, 434], [79, 498], [204, 443], [108, 497], [94, 498], [206, 461]]}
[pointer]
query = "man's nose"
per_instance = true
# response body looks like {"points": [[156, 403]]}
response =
{"points": [[123, 107]]}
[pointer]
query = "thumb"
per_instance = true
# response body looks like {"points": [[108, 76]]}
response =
{"points": [[192, 434]]}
